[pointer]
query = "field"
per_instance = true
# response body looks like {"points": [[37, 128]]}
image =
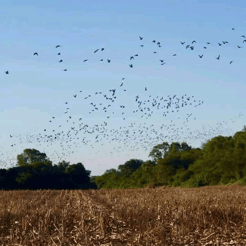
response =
{"points": [[149, 216]]}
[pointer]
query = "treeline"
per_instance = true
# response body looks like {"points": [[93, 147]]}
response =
{"points": [[35, 171], [219, 161]]}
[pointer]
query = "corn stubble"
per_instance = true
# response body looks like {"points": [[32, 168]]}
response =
{"points": [[152, 216]]}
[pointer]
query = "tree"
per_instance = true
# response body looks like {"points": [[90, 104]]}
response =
{"points": [[159, 151], [30, 156], [130, 167]]}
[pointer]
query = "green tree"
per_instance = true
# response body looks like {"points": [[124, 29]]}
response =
{"points": [[30, 156]]}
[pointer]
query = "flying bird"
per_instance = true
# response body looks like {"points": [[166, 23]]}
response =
{"points": [[145, 89], [233, 28], [218, 57], [65, 70], [58, 46], [35, 54], [96, 50], [85, 60], [7, 72], [121, 84], [109, 60], [208, 43], [102, 49], [141, 45], [174, 54], [61, 61], [219, 44], [239, 47], [130, 65], [182, 43], [59, 54], [141, 38], [131, 57], [201, 56], [243, 36], [194, 41], [153, 41], [231, 62]]}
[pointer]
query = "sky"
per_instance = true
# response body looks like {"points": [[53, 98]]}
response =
{"points": [[37, 88]]}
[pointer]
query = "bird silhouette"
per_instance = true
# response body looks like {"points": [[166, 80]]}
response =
{"points": [[58, 46], [182, 43], [142, 45], [219, 44], [154, 52], [59, 54], [194, 41], [96, 50], [102, 49], [7, 72], [65, 70], [145, 89], [208, 43], [141, 38], [174, 54], [239, 47], [74, 95], [233, 28], [153, 41], [131, 57], [187, 46], [85, 60], [61, 61], [231, 62], [161, 60], [130, 65], [121, 84], [101, 60], [35, 54], [201, 56], [218, 57], [205, 47], [243, 36], [109, 60], [244, 40]]}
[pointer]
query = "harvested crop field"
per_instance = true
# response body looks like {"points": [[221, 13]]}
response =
{"points": [[154, 216]]}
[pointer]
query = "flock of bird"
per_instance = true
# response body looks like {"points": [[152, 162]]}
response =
{"points": [[145, 108]]}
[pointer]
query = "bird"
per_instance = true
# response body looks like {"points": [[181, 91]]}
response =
{"points": [[7, 72], [219, 44], [59, 54], [187, 46], [136, 55], [153, 41], [58, 46], [109, 60], [231, 62], [65, 70], [102, 49], [61, 61], [131, 57], [154, 52], [85, 60], [96, 50], [194, 41], [35, 54], [121, 84], [142, 45], [201, 56], [233, 28], [208, 43], [141, 38], [205, 47], [174, 54], [182, 43], [243, 36], [145, 89], [244, 40], [74, 95], [101, 60], [130, 65], [239, 47], [11, 136], [218, 57], [161, 60]]}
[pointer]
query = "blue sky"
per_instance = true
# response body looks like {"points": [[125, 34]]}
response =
{"points": [[36, 88]]}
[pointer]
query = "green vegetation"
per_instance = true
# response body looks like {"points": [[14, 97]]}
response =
{"points": [[220, 161]]}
